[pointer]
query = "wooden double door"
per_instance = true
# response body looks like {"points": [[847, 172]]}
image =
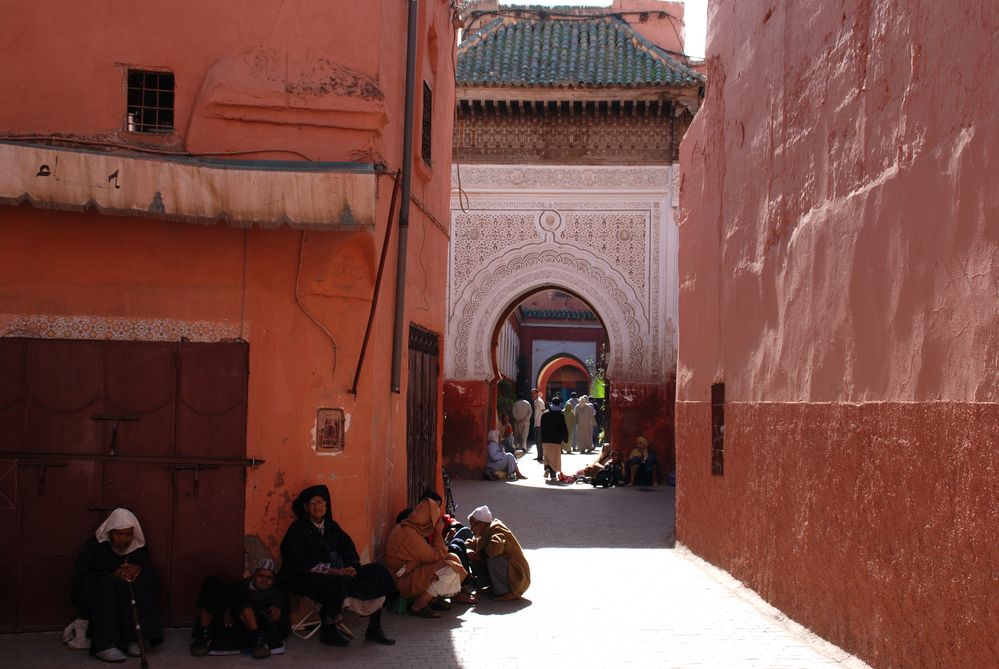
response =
{"points": [[87, 426]]}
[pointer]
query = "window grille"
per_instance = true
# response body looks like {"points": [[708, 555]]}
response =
{"points": [[718, 429], [150, 97], [428, 108]]}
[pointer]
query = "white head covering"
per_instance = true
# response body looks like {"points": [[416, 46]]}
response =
{"points": [[584, 399], [493, 436], [481, 514], [121, 519]]}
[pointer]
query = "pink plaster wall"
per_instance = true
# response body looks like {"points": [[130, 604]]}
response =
{"points": [[838, 245], [273, 75]]}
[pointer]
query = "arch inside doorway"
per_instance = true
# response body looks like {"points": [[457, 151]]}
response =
{"points": [[538, 373], [556, 364]]}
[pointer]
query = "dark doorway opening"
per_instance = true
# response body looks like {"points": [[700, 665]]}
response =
{"points": [[421, 411]]}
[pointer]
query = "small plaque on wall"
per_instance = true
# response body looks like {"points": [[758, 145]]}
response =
{"points": [[329, 431]]}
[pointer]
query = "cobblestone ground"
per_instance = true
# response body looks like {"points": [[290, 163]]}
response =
{"points": [[608, 590]]}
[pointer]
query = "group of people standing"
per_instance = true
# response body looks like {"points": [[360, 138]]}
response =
{"points": [[429, 559], [561, 429]]}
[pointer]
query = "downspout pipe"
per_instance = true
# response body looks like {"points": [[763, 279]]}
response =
{"points": [[407, 177]]}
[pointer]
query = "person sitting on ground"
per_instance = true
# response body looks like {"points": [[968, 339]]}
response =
{"points": [[507, 431], [319, 560], [496, 556], [113, 564], [612, 473], [642, 467], [498, 460], [594, 467], [554, 434], [423, 568], [454, 534], [252, 614]]}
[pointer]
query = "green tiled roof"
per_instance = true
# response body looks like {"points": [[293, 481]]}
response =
{"points": [[596, 52]]}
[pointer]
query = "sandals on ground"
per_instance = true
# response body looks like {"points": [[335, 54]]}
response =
{"points": [[425, 612]]}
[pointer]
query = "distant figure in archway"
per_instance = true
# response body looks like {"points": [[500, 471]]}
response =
{"points": [[586, 417], [539, 409], [521, 423], [570, 419], [570, 422], [553, 434]]}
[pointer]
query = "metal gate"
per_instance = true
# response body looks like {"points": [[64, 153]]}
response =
{"points": [[421, 411], [86, 426]]}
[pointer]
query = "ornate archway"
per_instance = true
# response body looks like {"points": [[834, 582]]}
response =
{"points": [[606, 234]]}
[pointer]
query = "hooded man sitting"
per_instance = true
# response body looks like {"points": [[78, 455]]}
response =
{"points": [[113, 563], [424, 569]]}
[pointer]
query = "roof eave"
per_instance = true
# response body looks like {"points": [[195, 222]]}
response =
{"points": [[688, 96]]}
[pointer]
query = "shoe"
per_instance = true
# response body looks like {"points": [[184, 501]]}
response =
{"points": [[224, 647], [425, 612], [277, 649], [133, 649], [378, 636], [111, 654], [202, 643], [331, 636], [440, 604], [259, 648]]}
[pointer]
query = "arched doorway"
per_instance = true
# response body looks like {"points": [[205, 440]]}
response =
{"points": [[608, 236]]}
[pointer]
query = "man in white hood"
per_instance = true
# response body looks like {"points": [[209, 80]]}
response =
{"points": [[111, 561]]}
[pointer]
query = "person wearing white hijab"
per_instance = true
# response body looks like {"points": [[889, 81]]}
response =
{"points": [[500, 460], [111, 561]]}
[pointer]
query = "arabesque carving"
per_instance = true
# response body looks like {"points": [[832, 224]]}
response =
{"points": [[521, 231]]}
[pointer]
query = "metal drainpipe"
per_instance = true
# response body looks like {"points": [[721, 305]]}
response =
{"points": [[407, 175]]}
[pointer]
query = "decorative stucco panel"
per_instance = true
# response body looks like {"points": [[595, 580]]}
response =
{"points": [[606, 234]]}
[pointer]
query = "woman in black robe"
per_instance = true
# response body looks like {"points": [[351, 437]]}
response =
{"points": [[319, 560], [112, 559]]}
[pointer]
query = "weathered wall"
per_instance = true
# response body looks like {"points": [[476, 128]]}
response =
{"points": [[644, 410], [838, 248], [287, 77], [469, 414]]}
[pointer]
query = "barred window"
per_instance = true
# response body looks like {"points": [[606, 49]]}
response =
{"points": [[428, 108], [150, 97]]}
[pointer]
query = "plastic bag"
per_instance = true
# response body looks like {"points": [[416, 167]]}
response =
{"points": [[75, 634]]}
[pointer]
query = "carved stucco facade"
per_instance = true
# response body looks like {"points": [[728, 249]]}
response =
{"points": [[608, 234]]}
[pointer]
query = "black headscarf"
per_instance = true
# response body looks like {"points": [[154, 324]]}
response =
{"points": [[298, 506], [305, 545]]}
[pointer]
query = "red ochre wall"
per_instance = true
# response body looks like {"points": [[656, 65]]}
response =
{"points": [[838, 251], [68, 264]]}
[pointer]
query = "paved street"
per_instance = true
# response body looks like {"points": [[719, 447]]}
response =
{"points": [[606, 592]]}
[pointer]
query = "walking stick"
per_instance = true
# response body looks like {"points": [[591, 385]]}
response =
{"points": [[138, 628]]}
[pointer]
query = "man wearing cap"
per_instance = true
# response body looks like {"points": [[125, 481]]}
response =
{"points": [[496, 556], [554, 433], [252, 615]]}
